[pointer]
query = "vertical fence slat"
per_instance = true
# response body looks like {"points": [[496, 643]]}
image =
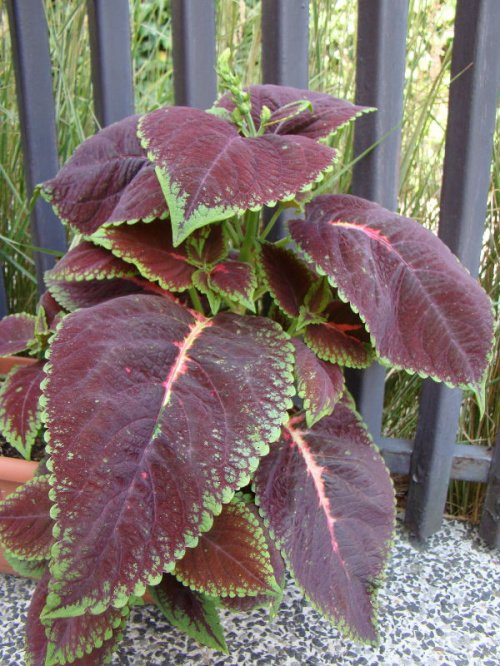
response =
{"points": [[475, 73], [30, 50], [381, 42], [109, 32], [285, 43], [193, 35], [3, 297], [285, 61], [489, 528]]}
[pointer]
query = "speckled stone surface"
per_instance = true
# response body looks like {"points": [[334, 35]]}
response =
{"points": [[440, 606]]}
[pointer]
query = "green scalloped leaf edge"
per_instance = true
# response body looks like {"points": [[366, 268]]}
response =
{"points": [[478, 390], [274, 588], [23, 446], [98, 606], [210, 608]]}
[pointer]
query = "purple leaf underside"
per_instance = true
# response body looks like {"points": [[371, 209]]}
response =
{"points": [[108, 180], [149, 247], [49, 312], [214, 245], [20, 412], [16, 333], [232, 559], [327, 116], [86, 261], [288, 278], [25, 522], [190, 611], [342, 338], [320, 384], [209, 172], [73, 295], [88, 640], [424, 311], [137, 387], [328, 500]]}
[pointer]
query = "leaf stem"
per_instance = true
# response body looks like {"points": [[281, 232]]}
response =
{"points": [[272, 221], [195, 300], [252, 223]]}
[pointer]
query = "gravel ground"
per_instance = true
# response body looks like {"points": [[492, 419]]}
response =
{"points": [[440, 606]]}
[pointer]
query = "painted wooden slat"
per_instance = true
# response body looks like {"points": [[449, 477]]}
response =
{"points": [[285, 43], [285, 61], [30, 48], [475, 73], [489, 528], [469, 463], [109, 32], [379, 83], [193, 35], [3, 297]]}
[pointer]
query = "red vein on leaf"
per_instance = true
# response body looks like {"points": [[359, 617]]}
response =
{"points": [[316, 472], [373, 234], [180, 365]]}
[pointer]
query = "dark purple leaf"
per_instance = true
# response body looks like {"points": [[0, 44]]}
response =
{"points": [[86, 261], [73, 295], [20, 410], [158, 415], [234, 280], [149, 247], [342, 338], [242, 604], [88, 640], [16, 333], [213, 243], [288, 278], [232, 559], [328, 499], [25, 522], [327, 116], [208, 172], [317, 298], [190, 611], [320, 384], [424, 311], [108, 180]]}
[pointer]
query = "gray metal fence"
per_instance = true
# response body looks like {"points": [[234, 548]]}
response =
{"points": [[434, 456]]}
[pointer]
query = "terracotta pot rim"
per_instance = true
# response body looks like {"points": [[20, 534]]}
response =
{"points": [[8, 362], [17, 470]]}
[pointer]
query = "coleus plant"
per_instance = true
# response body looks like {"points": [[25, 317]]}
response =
{"points": [[199, 434]]}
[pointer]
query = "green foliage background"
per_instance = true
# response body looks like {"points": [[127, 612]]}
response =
{"points": [[332, 69]]}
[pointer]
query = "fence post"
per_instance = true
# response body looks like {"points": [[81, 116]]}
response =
{"points": [[285, 61], [381, 43], [30, 49], [109, 31], [489, 528], [193, 37], [475, 73]]}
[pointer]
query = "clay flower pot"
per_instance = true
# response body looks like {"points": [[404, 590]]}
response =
{"points": [[13, 473], [8, 362]]}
